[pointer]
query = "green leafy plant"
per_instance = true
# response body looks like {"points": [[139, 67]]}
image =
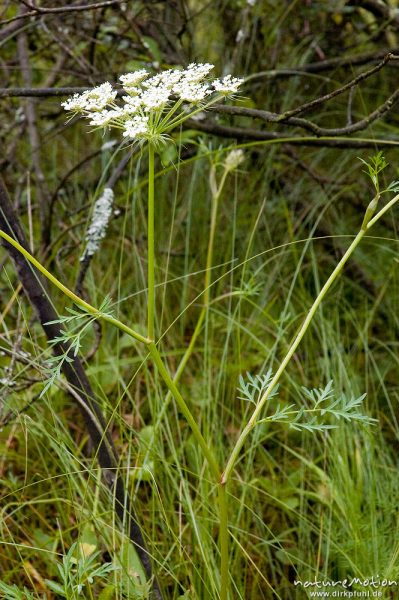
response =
{"points": [[152, 109], [77, 573], [76, 325], [12, 592]]}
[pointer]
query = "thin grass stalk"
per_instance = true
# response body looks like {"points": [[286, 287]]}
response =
{"points": [[223, 541]]}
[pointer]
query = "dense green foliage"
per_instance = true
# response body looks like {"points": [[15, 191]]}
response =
{"points": [[303, 505]]}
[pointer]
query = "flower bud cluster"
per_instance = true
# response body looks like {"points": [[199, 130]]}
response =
{"points": [[234, 159], [153, 105], [97, 229]]}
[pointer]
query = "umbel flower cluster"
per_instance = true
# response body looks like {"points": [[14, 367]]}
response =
{"points": [[155, 105]]}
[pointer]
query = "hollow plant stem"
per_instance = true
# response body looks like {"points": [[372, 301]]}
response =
{"points": [[151, 245], [174, 392], [223, 540], [206, 296], [367, 224], [156, 357]]}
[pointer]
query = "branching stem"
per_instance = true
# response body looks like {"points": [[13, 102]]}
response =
{"points": [[220, 479], [76, 299], [298, 338]]}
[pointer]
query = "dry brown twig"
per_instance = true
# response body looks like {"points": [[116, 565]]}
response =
{"points": [[35, 11]]}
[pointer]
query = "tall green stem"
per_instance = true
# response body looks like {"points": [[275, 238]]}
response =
{"points": [[223, 541], [368, 222], [173, 392], [184, 409], [294, 345], [207, 283], [151, 245]]}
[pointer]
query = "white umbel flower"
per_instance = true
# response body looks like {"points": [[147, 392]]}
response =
{"points": [[155, 98], [195, 73], [92, 100], [131, 80], [136, 127], [153, 106], [132, 105], [105, 117], [167, 79], [97, 229], [192, 92], [227, 85]]}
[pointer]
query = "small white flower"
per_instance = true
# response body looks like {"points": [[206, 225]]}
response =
{"points": [[155, 98], [133, 91], [227, 85], [191, 92], [132, 105], [75, 103], [197, 72], [171, 77], [136, 127], [99, 97], [92, 100], [166, 79], [105, 117], [130, 80]]}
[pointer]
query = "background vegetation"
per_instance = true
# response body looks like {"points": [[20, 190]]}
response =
{"points": [[303, 505]]}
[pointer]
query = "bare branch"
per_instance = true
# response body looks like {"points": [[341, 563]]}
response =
{"points": [[270, 117], [27, 92], [324, 65], [37, 11], [243, 134], [348, 86]]}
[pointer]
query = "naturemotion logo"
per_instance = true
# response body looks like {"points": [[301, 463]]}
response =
{"points": [[371, 587]]}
